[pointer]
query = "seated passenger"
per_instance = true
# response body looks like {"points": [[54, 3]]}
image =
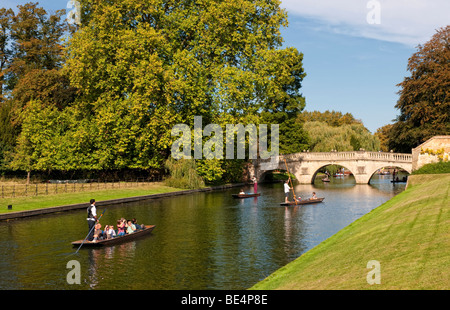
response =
{"points": [[110, 232], [141, 226], [120, 228], [97, 232], [131, 228]]}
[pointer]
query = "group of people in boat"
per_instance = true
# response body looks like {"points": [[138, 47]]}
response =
{"points": [[124, 227], [97, 233]]}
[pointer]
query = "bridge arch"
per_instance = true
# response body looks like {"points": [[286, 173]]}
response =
{"points": [[345, 165], [263, 176], [407, 168]]}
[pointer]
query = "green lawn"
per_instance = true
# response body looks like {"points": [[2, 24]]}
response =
{"points": [[53, 200], [408, 235]]}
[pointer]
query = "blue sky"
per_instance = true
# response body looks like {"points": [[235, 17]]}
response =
{"points": [[355, 51], [349, 73]]}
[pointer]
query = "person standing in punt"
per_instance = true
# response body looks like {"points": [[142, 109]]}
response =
{"points": [[255, 185], [286, 191], [91, 219]]}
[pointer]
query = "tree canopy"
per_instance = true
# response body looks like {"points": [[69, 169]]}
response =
{"points": [[335, 131], [424, 101], [133, 69], [348, 137]]}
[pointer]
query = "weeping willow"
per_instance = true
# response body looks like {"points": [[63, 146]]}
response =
{"points": [[183, 174], [349, 137]]}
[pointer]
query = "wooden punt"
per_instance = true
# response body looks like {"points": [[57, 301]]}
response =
{"points": [[128, 237], [245, 195], [302, 202]]}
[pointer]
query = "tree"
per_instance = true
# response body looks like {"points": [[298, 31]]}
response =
{"points": [[144, 66], [34, 84], [38, 139], [7, 134], [332, 118], [36, 41], [383, 135], [5, 50], [183, 174], [353, 137], [424, 101]]}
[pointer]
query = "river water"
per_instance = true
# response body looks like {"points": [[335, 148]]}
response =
{"points": [[201, 241]]}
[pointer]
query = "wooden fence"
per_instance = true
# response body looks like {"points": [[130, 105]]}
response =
{"points": [[69, 186]]}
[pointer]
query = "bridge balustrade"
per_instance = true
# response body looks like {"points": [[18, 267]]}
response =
{"points": [[356, 155]]}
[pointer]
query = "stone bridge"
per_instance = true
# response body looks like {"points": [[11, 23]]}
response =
{"points": [[305, 165]]}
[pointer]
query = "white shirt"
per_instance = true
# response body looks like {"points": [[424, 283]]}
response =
{"points": [[94, 213], [286, 188]]}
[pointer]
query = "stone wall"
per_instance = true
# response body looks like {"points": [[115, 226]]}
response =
{"points": [[431, 151]]}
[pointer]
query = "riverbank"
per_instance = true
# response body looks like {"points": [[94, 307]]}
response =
{"points": [[39, 205], [408, 236]]}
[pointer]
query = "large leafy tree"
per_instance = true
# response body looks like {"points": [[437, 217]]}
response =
{"points": [[5, 48], [332, 130], [36, 38], [424, 101], [143, 66], [383, 135], [31, 73], [348, 137], [6, 132]]}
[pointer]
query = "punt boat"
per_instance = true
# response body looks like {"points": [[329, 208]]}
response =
{"points": [[127, 237], [302, 202], [245, 195]]}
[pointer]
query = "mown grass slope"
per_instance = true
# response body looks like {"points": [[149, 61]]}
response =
{"points": [[408, 235]]}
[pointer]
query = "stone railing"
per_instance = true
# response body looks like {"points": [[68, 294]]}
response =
{"points": [[346, 156]]}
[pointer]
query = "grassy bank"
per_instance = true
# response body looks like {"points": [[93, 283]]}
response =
{"points": [[53, 200], [408, 235]]}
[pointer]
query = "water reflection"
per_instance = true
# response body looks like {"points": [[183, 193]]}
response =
{"points": [[201, 241]]}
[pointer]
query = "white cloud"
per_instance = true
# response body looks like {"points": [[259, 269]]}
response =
{"points": [[409, 22]]}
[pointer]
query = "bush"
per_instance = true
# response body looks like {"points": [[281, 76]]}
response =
{"points": [[435, 168], [183, 174]]}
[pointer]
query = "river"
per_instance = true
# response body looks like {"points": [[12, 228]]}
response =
{"points": [[201, 241]]}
